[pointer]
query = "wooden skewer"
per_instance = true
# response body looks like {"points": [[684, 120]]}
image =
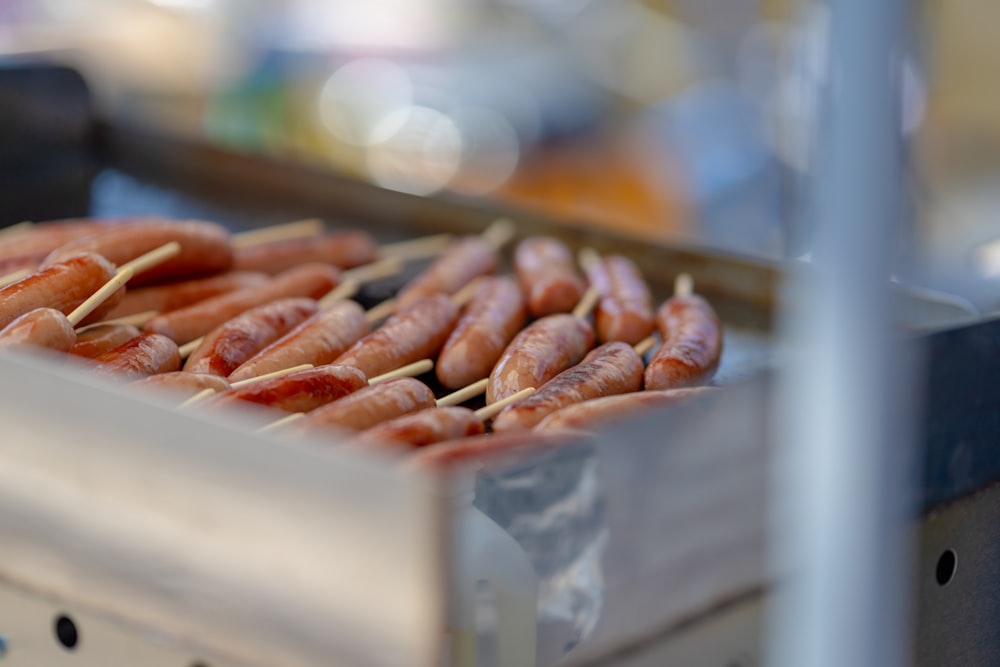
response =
{"points": [[136, 319], [493, 409], [464, 295], [121, 277], [287, 419], [645, 345], [287, 230], [684, 285], [465, 393], [420, 248], [383, 268], [381, 311], [152, 258], [499, 233], [409, 370], [587, 257], [267, 376], [186, 349], [587, 302], [16, 228], [344, 290], [197, 398], [14, 276]]}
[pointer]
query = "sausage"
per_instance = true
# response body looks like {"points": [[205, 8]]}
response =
{"points": [[416, 332], [235, 341], [171, 296], [27, 248], [300, 391], [425, 427], [148, 354], [42, 327], [477, 449], [63, 285], [490, 320], [317, 341], [344, 249], [370, 406], [625, 309], [186, 324], [692, 344], [548, 277], [601, 411], [205, 247], [464, 260], [542, 350], [181, 384], [612, 368], [103, 337]]}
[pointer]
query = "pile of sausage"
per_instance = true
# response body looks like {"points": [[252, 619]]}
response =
{"points": [[256, 312]]}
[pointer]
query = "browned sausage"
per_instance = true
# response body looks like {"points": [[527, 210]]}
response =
{"points": [[101, 338], [542, 350], [464, 260], [425, 427], [317, 341], [300, 391], [181, 384], [233, 342], [548, 276], [344, 249], [205, 247], [186, 324], [140, 357], [612, 368], [42, 327], [625, 310], [63, 286], [28, 247], [491, 319], [370, 406], [171, 296], [601, 411], [416, 332], [692, 344], [490, 447]]}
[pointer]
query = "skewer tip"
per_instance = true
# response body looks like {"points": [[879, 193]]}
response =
{"points": [[683, 285]]}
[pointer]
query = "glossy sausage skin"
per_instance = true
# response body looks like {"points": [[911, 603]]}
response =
{"points": [[28, 247], [692, 344], [181, 384], [300, 391], [140, 357], [416, 332], [425, 427], [101, 338], [542, 350], [205, 247], [489, 447], [42, 327], [317, 341], [490, 320], [464, 260], [612, 368], [370, 406], [234, 342], [171, 296], [625, 310], [344, 249], [548, 276], [602, 411], [63, 286], [186, 324]]}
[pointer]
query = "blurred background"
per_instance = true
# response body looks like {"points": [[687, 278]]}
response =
{"points": [[687, 119]]}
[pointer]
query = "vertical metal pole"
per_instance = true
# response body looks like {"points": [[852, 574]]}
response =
{"points": [[841, 498]]}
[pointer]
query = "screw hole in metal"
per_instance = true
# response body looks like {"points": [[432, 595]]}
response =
{"points": [[66, 632], [946, 566]]}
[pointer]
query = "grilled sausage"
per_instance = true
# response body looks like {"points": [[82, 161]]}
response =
{"points": [[181, 384], [234, 342], [317, 341], [491, 319], [370, 406], [171, 296], [186, 324], [416, 332], [28, 247], [464, 260], [300, 391], [63, 285], [601, 411], [612, 368], [148, 354], [542, 350], [477, 449], [692, 344], [425, 427], [42, 327], [548, 276], [344, 249], [98, 340], [205, 247], [625, 310]]}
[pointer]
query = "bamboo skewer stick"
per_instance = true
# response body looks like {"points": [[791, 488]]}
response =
{"points": [[152, 258], [197, 398], [587, 303], [377, 270], [419, 248], [344, 290], [188, 348], [381, 311], [288, 230], [587, 257], [499, 233], [409, 370], [460, 396], [121, 277], [493, 409], [287, 419], [268, 376], [684, 285], [136, 319]]}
